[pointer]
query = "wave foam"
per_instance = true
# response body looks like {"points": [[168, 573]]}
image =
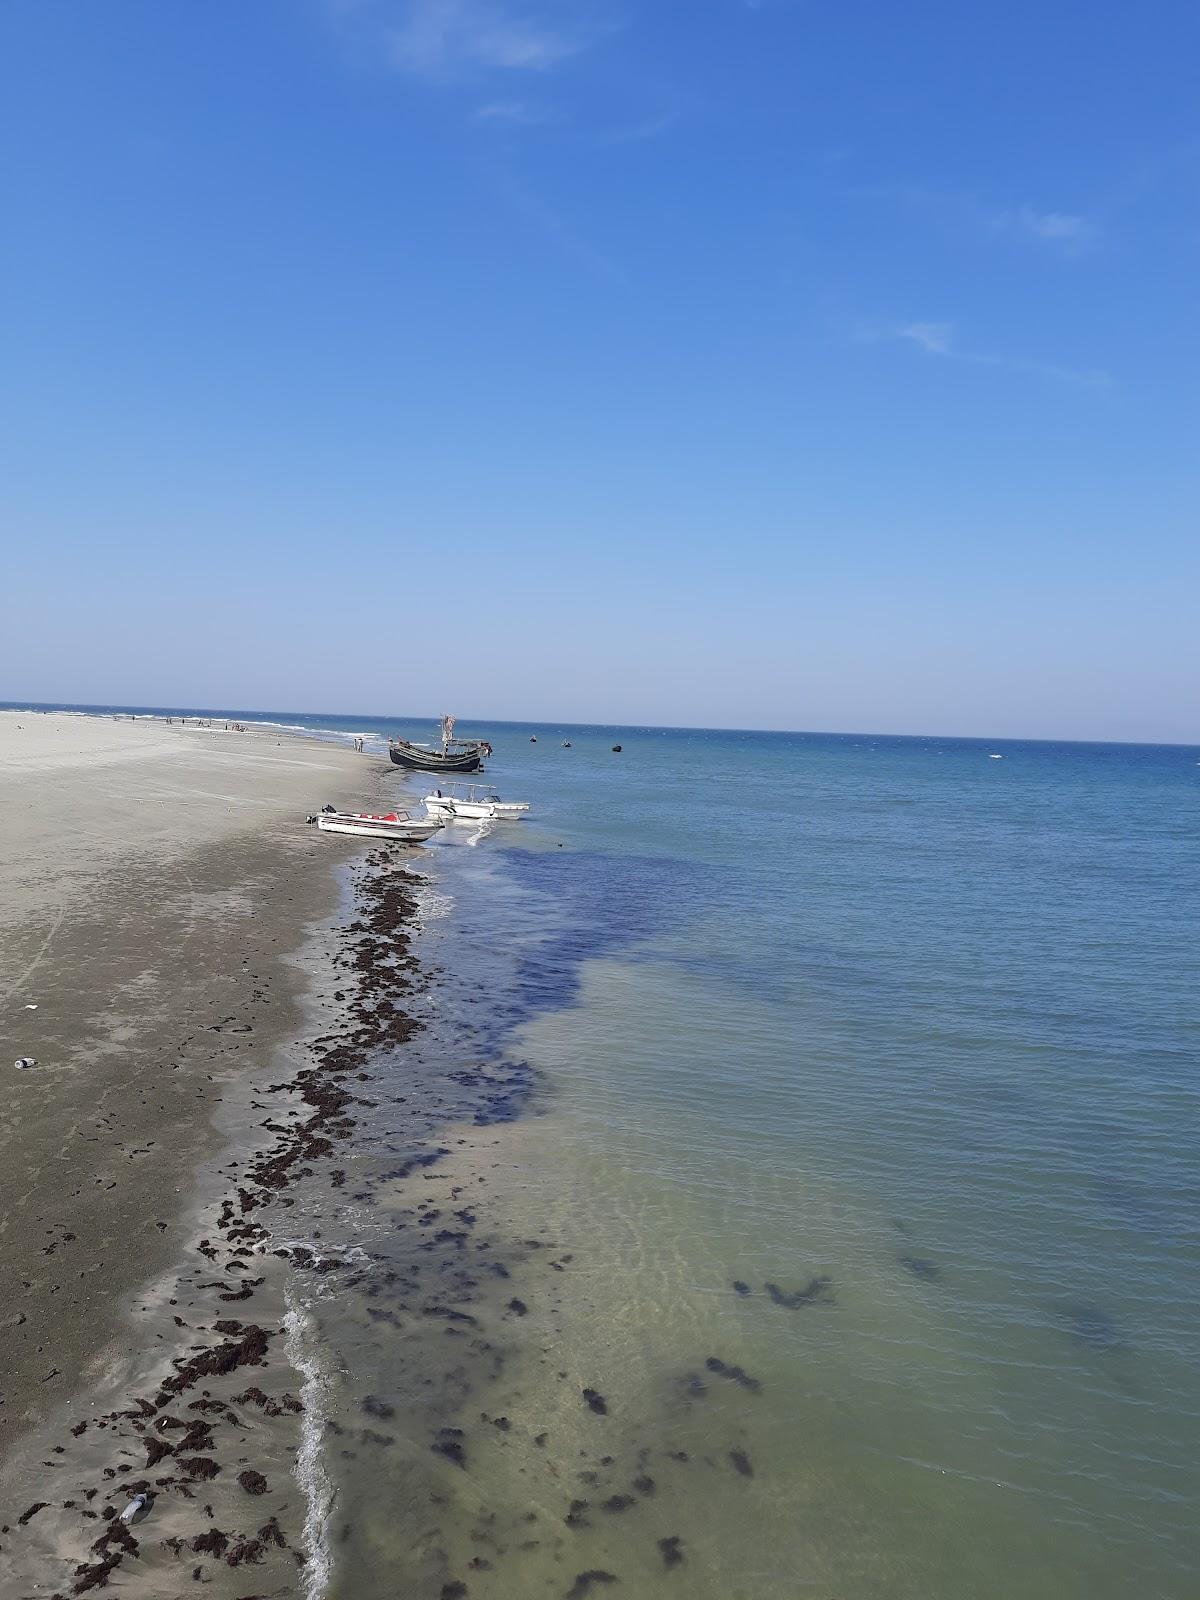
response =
{"points": [[310, 1464]]}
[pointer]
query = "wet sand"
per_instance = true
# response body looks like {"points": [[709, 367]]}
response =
{"points": [[151, 878]]}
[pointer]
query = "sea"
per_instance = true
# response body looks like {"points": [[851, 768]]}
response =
{"points": [[793, 1188]]}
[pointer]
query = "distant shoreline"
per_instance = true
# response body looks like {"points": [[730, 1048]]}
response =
{"points": [[304, 722]]}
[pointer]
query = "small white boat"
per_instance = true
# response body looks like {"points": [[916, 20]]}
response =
{"points": [[472, 803], [399, 825]]}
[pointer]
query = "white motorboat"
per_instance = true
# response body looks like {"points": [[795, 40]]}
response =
{"points": [[399, 825], [473, 803]]}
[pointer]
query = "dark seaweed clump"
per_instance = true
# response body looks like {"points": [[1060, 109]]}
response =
{"points": [[376, 949], [449, 1444], [586, 1581], [817, 1291], [736, 1374], [671, 1553], [920, 1267]]}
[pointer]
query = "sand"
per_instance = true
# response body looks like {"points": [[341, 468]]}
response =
{"points": [[151, 878]]}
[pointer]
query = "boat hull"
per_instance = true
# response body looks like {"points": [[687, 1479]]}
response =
{"points": [[405, 831], [474, 810], [414, 759]]}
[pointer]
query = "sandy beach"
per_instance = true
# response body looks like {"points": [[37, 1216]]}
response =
{"points": [[151, 878]]}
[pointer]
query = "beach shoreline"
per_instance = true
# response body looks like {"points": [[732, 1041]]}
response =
{"points": [[153, 880], [213, 1408]]}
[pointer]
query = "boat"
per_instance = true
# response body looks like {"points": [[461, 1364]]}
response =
{"points": [[473, 803], [398, 825], [452, 755]]}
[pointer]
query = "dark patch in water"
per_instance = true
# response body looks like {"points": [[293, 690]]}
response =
{"points": [[741, 1462], [817, 1291], [586, 1581], [449, 1444], [607, 902], [740, 1288], [618, 1502], [595, 1402], [1091, 1325], [736, 1374], [920, 1267], [670, 1550]]}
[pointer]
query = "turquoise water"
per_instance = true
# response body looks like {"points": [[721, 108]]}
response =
{"points": [[921, 1021], [906, 1031]]}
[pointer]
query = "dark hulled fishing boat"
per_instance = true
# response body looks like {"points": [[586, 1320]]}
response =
{"points": [[452, 755]]}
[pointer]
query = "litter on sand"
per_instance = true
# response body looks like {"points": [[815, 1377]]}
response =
{"points": [[23, 1063], [137, 1508]]}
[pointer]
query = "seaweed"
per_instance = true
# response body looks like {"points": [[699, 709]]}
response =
{"points": [[671, 1553], [817, 1291], [586, 1581], [920, 1267], [735, 1374]]}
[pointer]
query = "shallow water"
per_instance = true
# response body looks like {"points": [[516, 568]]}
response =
{"points": [[887, 1013], [899, 1038]]}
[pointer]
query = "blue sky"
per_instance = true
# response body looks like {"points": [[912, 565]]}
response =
{"points": [[802, 365]]}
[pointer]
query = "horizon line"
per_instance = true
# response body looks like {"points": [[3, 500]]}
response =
{"points": [[252, 714]]}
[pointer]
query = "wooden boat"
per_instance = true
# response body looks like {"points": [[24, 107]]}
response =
{"points": [[471, 803], [453, 755], [399, 825]]}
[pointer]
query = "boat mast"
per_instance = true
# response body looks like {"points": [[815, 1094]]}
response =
{"points": [[447, 731]]}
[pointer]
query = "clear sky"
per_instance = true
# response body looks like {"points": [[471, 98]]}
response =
{"points": [[829, 364]]}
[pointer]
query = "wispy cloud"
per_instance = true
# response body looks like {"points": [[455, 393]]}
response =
{"points": [[1062, 228], [938, 339], [516, 113], [558, 230], [636, 132], [960, 211], [448, 39], [932, 336]]}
